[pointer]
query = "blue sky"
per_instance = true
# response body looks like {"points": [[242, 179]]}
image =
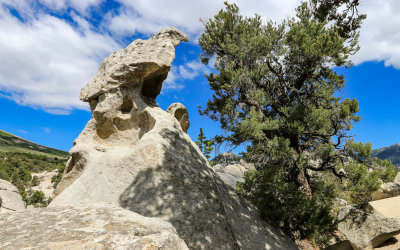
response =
{"points": [[50, 48]]}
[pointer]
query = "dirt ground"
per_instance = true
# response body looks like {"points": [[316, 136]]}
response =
{"points": [[389, 208]]}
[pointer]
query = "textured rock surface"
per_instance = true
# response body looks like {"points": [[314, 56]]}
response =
{"points": [[135, 155], [387, 190], [231, 168], [367, 228], [179, 111], [11, 199], [390, 208], [85, 228]]}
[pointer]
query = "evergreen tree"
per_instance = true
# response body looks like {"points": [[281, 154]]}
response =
{"points": [[206, 146], [275, 89]]}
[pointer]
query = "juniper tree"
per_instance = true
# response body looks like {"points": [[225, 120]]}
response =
{"points": [[276, 90], [206, 146]]}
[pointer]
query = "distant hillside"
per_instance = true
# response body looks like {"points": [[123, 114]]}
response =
{"points": [[391, 153], [12, 143]]}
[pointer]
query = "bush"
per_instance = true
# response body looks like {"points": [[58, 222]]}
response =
{"points": [[3, 174], [37, 197], [56, 179], [35, 181], [17, 168]]}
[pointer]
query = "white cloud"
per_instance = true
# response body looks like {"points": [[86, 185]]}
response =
{"points": [[149, 16], [46, 61], [22, 131], [187, 71], [380, 33]]}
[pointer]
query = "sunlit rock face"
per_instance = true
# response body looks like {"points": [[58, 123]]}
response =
{"points": [[137, 156], [90, 227], [179, 111], [11, 200]]}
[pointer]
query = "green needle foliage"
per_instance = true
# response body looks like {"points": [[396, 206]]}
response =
{"points": [[206, 146], [275, 90]]}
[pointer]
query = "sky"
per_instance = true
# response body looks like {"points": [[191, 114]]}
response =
{"points": [[49, 49]]}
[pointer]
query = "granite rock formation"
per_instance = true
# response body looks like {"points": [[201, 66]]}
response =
{"points": [[366, 228], [388, 190], [231, 168], [135, 155], [10, 197], [179, 111], [93, 227]]}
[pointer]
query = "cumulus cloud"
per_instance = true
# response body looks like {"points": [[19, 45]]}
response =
{"points": [[188, 71], [46, 61], [380, 33], [379, 40], [148, 17]]}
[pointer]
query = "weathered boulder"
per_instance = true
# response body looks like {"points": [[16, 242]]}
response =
{"points": [[179, 111], [231, 168], [85, 228], [387, 190], [135, 155], [10, 197], [366, 228]]}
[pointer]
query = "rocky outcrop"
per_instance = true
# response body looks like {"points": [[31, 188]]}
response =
{"points": [[179, 111], [45, 184], [10, 198], [135, 155], [231, 168], [387, 190], [85, 228], [366, 228]]}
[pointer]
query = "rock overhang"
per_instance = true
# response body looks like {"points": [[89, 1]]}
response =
{"points": [[143, 64]]}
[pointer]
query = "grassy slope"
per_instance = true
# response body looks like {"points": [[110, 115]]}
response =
{"points": [[19, 158], [12, 143], [391, 153]]}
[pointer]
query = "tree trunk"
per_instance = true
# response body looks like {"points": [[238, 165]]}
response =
{"points": [[303, 183]]}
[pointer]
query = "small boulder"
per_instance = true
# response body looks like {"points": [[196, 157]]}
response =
{"points": [[11, 199], [366, 228], [388, 190], [87, 227], [179, 111], [231, 168]]}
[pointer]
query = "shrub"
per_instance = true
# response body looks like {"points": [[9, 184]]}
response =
{"points": [[37, 197], [35, 181]]}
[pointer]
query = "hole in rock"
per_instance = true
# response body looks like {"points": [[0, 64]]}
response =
{"points": [[126, 106], [179, 113], [146, 123], [75, 161], [152, 83], [93, 103]]}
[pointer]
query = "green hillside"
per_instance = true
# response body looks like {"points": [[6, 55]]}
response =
{"points": [[12, 143], [19, 158], [391, 153]]}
